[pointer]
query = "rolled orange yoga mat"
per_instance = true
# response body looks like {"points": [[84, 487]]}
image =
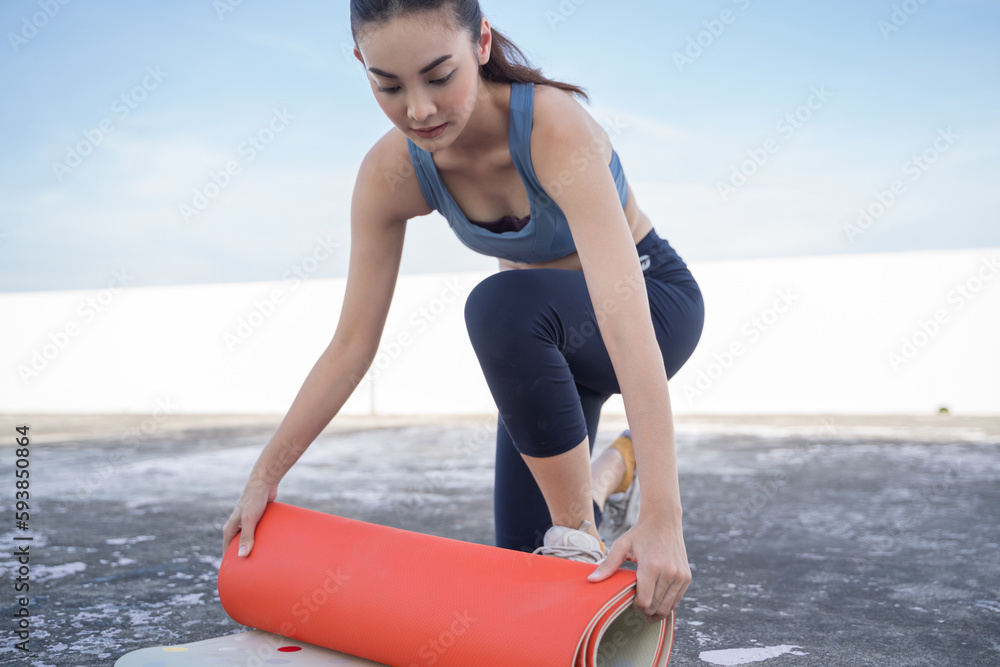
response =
{"points": [[406, 599]]}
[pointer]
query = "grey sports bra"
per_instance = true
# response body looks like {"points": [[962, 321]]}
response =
{"points": [[542, 236]]}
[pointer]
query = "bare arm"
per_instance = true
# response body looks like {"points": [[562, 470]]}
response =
{"points": [[376, 248], [617, 290], [374, 264], [377, 231]]}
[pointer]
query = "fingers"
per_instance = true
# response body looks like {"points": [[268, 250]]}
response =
{"points": [[246, 537], [245, 516], [647, 579], [658, 590], [243, 523], [231, 527], [660, 582], [617, 555]]}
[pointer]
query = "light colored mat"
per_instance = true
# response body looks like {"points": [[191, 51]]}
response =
{"points": [[242, 650]]}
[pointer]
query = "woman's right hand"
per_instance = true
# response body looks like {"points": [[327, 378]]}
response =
{"points": [[247, 513]]}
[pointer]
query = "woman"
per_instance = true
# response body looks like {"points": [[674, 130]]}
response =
{"points": [[589, 301]]}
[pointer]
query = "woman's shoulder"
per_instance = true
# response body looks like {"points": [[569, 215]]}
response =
{"points": [[560, 122], [386, 178], [552, 104]]}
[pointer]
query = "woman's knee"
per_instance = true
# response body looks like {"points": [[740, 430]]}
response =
{"points": [[679, 339], [498, 308]]}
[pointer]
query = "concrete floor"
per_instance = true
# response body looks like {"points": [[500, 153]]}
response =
{"points": [[830, 540]]}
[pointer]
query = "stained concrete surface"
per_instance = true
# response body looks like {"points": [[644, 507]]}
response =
{"points": [[833, 540]]}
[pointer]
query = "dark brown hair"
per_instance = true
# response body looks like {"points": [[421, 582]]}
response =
{"points": [[507, 64]]}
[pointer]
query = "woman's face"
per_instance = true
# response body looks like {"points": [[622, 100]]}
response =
{"points": [[424, 74]]}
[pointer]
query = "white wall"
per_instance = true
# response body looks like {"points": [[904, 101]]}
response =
{"points": [[790, 335]]}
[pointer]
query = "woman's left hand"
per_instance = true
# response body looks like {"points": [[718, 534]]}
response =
{"points": [[656, 545]]}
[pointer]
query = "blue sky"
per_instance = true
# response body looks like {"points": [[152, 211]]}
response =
{"points": [[838, 97]]}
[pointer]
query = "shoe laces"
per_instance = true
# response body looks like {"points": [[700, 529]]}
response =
{"points": [[572, 544]]}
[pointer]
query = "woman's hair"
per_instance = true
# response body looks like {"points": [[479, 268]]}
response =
{"points": [[507, 64]]}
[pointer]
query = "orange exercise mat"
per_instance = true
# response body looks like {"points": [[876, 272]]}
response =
{"points": [[404, 599]]}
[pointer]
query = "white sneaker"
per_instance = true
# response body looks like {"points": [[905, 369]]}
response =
{"points": [[572, 544]]}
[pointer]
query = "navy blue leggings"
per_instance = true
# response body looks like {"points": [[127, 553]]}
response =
{"points": [[537, 339]]}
